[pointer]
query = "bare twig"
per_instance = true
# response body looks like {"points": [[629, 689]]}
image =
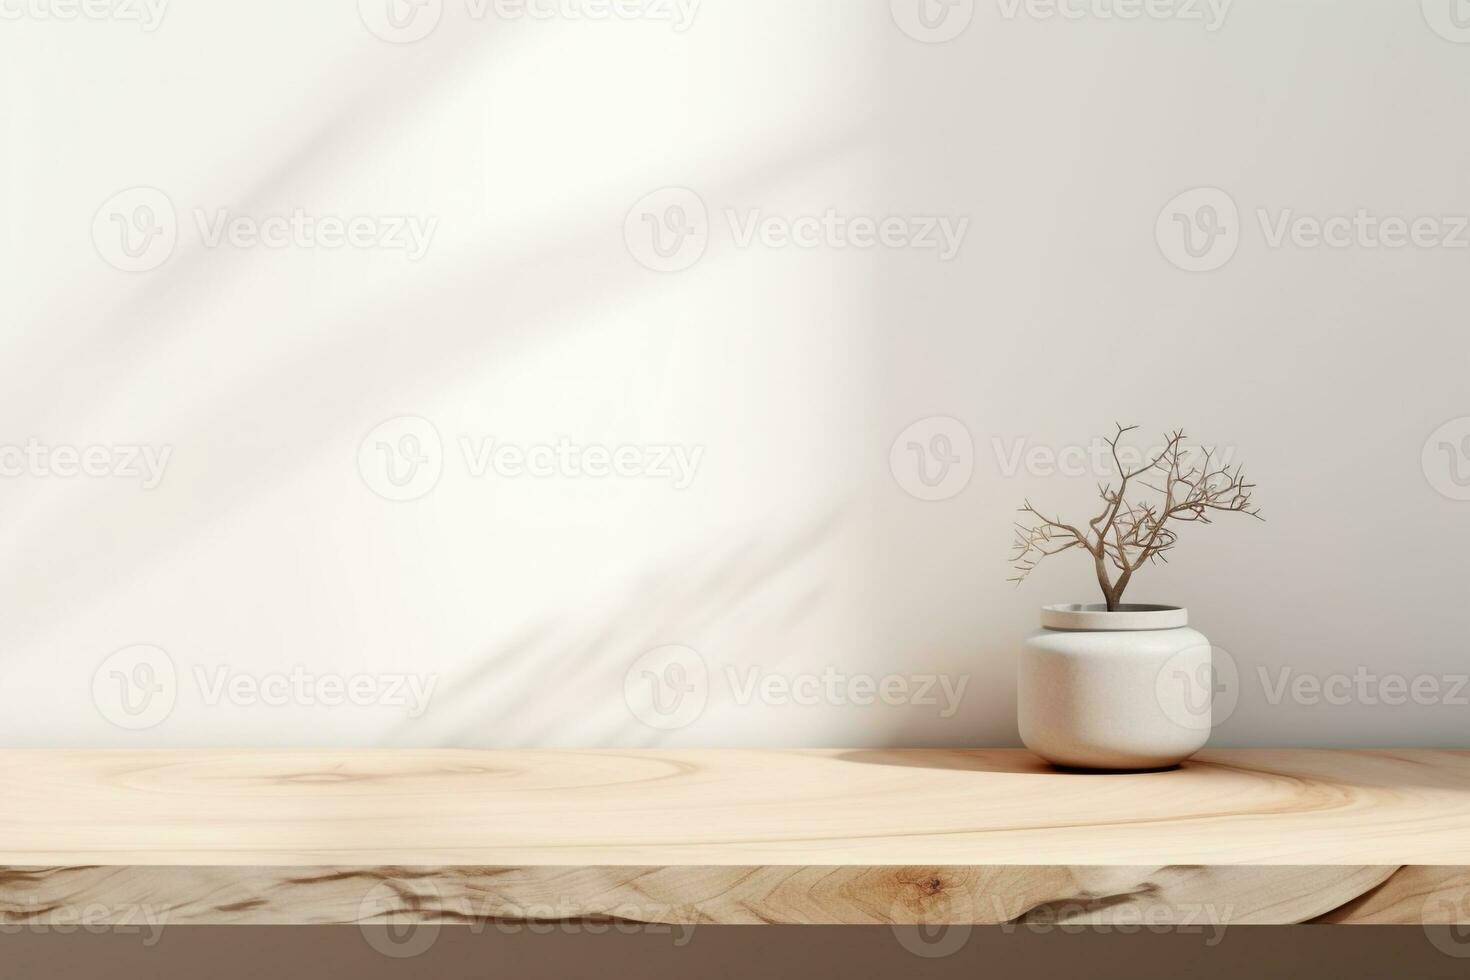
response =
{"points": [[1130, 533]]}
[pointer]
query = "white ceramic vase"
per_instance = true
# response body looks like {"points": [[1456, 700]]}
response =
{"points": [[1115, 690]]}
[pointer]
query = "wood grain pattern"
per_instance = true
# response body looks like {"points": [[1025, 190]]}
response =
{"points": [[687, 837]]}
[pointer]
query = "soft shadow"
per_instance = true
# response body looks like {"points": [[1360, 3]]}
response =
{"points": [[972, 760], [389, 348], [1016, 761], [1384, 770], [494, 704]]}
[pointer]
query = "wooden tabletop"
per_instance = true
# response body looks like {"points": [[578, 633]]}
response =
{"points": [[735, 835]]}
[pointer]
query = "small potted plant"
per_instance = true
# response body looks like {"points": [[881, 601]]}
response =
{"points": [[1117, 685]]}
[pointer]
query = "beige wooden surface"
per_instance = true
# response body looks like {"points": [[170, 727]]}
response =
{"points": [[735, 836], [727, 807]]}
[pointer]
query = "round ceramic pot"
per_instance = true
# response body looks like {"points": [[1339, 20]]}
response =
{"points": [[1115, 690]]}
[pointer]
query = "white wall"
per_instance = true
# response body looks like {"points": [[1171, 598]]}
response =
{"points": [[531, 603]]}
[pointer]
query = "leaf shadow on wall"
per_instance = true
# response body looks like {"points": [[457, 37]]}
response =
{"points": [[501, 700], [314, 400]]}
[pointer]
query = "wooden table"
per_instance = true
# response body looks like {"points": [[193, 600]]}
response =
{"points": [[733, 836]]}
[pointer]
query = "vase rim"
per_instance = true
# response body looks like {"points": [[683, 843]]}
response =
{"points": [[1128, 616]]}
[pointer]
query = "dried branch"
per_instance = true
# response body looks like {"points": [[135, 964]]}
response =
{"points": [[1130, 532]]}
